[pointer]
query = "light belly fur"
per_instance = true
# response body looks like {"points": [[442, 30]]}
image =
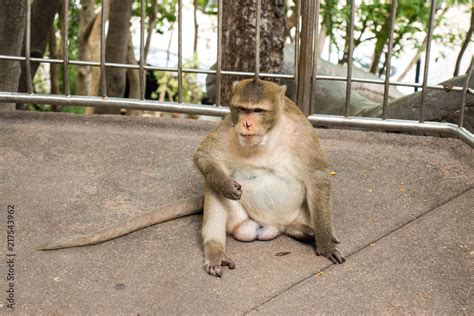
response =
{"points": [[270, 197]]}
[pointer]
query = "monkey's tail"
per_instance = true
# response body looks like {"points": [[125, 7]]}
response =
{"points": [[165, 213]]}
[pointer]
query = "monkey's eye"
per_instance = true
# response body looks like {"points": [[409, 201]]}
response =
{"points": [[257, 110]]}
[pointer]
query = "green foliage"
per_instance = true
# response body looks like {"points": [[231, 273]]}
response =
{"points": [[74, 109], [371, 24], [166, 12], [168, 86]]}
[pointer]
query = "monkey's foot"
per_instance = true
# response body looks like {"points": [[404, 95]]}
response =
{"points": [[215, 261], [333, 255]]}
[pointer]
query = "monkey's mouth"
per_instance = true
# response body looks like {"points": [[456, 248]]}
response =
{"points": [[249, 139]]}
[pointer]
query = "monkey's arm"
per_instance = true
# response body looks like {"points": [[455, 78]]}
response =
{"points": [[210, 159], [167, 212], [320, 208]]}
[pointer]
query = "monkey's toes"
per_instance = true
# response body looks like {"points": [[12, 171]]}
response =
{"points": [[213, 266], [334, 255]]}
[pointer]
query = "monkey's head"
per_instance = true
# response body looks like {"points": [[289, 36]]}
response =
{"points": [[255, 108]]}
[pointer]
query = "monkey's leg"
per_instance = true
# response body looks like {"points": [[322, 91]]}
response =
{"points": [[214, 234], [319, 204], [301, 232]]}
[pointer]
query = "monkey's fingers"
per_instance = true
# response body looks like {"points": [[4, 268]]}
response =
{"points": [[235, 193], [237, 185], [336, 240]]}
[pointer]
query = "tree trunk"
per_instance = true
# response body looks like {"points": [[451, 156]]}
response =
{"points": [[53, 68], [42, 18], [84, 73], [93, 47], [116, 50], [12, 28], [378, 50], [321, 39], [196, 29], [133, 76], [466, 42], [151, 28], [238, 38]]}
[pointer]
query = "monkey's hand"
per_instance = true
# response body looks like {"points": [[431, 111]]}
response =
{"points": [[228, 187], [214, 262], [332, 253], [233, 190]]}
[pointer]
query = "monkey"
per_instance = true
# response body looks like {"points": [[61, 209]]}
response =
{"points": [[265, 175]]}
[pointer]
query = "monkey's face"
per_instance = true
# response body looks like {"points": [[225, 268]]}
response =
{"points": [[252, 122], [255, 108]]}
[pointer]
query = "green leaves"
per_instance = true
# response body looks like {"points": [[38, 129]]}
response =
{"points": [[372, 18]]}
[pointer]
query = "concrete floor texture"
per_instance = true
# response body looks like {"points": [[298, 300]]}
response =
{"points": [[402, 208]]}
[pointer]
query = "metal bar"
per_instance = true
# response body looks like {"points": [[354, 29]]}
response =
{"points": [[427, 62], [29, 81], [464, 93], [219, 54], [388, 62], [132, 66], [118, 102], [238, 73], [349, 59], [142, 50], [393, 125], [65, 31], [325, 120], [312, 108], [180, 51], [225, 72], [257, 38], [297, 48], [103, 84], [306, 55]]}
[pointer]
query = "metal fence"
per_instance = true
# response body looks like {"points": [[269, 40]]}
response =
{"points": [[305, 78]]}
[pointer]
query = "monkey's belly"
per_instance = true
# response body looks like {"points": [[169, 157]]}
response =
{"points": [[270, 197]]}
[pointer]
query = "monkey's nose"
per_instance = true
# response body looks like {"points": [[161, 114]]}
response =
{"points": [[247, 125]]}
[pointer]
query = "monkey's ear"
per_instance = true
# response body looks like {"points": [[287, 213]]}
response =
{"points": [[283, 89]]}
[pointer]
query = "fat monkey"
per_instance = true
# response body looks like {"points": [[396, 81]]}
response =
{"points": [[265, 173]]}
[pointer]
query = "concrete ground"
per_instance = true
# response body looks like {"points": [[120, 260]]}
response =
{"points": [[402, 208]]}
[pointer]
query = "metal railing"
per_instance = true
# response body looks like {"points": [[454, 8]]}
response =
{"points": [[305, 78]]}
